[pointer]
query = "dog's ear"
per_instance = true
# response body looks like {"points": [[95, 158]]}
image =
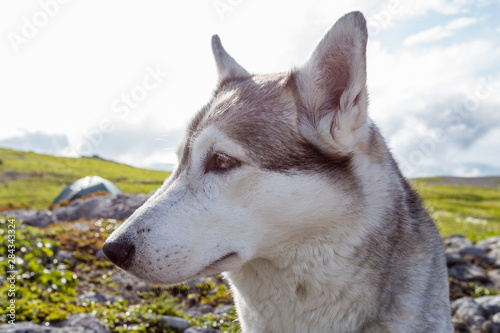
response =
{"points": [[332, 86], [227, 67]]}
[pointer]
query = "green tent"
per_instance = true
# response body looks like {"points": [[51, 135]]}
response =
{"points": [[86, 185]]}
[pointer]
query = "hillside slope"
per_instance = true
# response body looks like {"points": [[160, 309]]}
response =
{"points": [[29, 180]]}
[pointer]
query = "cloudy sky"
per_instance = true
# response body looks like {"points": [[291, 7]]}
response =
{"points": [[121, 79]]}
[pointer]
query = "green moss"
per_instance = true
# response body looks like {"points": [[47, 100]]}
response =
{"points": [[480, 291], [226, 322]]}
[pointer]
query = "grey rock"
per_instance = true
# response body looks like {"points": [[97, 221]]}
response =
{"points": [[63, 255], [32, 217], [466, 310], [490, 327], [198, 329], [495, 255], [454, 258], [85, 322], [79, 323], [129, 283], [496, 318], [27, 327], [118, 207], [469, 273], [488, 244], [175, 322], [491, 304], [205, 308], [475, 252], [192, 313], [460, 327], [80, 227], [223, 309], [96, 297], [456, 242], [494, 276], [460, 249]]}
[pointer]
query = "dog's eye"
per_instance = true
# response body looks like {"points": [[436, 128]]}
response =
{"points": [[224, 162], [221, 162]]}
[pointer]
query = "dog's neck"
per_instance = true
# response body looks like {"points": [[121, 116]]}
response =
{"points": [[300, 287]]}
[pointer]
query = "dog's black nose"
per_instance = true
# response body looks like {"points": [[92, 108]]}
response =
{"points": [[119, 251]]}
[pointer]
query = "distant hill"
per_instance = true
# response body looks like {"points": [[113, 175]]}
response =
{"points": [[30, 180]]}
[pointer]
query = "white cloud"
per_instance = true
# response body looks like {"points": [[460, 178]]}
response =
{"points": [[406, 9], [427, 36], [412, 91], [439, 32], [441, 6], [461, 23], [388, 13]]}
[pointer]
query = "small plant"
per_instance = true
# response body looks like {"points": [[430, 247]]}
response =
{"points": [[480, 291], [227, 322]]}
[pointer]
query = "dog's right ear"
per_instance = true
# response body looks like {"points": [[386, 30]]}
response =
{"points": [[227, 67], [331, 87]]}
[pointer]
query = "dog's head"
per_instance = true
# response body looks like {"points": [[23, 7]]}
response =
{"points": [[268, 157]]}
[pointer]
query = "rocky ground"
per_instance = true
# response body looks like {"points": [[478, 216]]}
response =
{"points": [[474, 274], [118, 207], [474, 270]]}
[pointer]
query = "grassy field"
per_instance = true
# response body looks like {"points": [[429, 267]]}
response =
{"points": [[458, 209], [40, 178]]}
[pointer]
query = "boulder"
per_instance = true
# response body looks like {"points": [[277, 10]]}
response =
{"points": [[198, 329], [96, 297], [84, 323], [33, 217], [469, 273], [118, 207], [467, 310], [175, 322]]}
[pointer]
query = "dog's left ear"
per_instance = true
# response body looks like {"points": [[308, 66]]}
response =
{"points": [[332, 87], [227, 67]]}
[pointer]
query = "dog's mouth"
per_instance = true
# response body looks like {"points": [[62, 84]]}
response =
{"points": [[214, 265]]}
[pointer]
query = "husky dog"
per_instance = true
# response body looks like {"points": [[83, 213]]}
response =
{"points": [[286, 185]]}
